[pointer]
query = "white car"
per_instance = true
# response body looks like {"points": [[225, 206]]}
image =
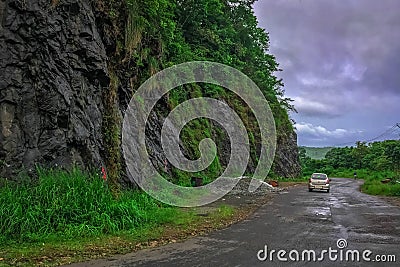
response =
{"points": [[319, 181]]}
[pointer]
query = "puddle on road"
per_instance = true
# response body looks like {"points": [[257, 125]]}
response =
{"points": [[320, 211]]}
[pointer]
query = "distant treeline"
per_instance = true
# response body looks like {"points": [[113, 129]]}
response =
{"points": [[317, 152], [376, 156]]}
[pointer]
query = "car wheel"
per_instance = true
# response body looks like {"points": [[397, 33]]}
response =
{"points": [[327, 190], [309, 190]]}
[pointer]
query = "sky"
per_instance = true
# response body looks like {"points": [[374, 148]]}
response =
{"points": [[340, 62]]}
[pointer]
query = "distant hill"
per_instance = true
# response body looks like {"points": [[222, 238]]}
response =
{"points": [[317, 152]]}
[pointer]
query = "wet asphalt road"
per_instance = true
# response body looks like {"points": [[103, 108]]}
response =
{"points": [[296, 220]]}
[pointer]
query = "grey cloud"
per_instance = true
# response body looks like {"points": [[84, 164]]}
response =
{"points": [[338, 57], [312, 108]]}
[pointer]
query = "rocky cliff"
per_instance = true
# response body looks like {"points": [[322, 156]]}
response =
{"points": [[53, 70], [61, 76]]}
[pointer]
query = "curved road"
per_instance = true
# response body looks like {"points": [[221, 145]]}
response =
{"points": [[298, 220]]}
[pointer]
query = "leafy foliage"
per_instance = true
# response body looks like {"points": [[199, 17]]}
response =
{"points": [[156, 34]]}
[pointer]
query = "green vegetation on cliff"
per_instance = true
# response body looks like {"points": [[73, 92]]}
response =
{"points": [[162, 33]]}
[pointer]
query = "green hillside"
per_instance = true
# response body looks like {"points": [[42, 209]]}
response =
{"points": [[317, 152]]}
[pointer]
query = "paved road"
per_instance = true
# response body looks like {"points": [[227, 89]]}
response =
{"points": [[297, 220]]}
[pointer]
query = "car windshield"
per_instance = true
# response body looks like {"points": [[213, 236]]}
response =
{"points": [[319, 176]]}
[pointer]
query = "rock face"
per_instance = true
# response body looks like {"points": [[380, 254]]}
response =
{"points": [[287, 163], [53, 69]]}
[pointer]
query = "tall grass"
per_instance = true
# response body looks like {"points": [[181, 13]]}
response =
{"points": [[72, 204], [375, 187]]}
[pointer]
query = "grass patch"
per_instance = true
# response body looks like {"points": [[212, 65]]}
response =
{"points": [[373, 184], [66, 217], [66, 205], [55, 251], [375, 187]]}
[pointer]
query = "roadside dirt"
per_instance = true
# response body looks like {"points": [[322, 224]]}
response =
{"points": [[244, 203], [240, 197], [392, 200]]}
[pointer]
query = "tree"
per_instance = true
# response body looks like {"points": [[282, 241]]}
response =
{"points": [[392, 151], [359, 152]]}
